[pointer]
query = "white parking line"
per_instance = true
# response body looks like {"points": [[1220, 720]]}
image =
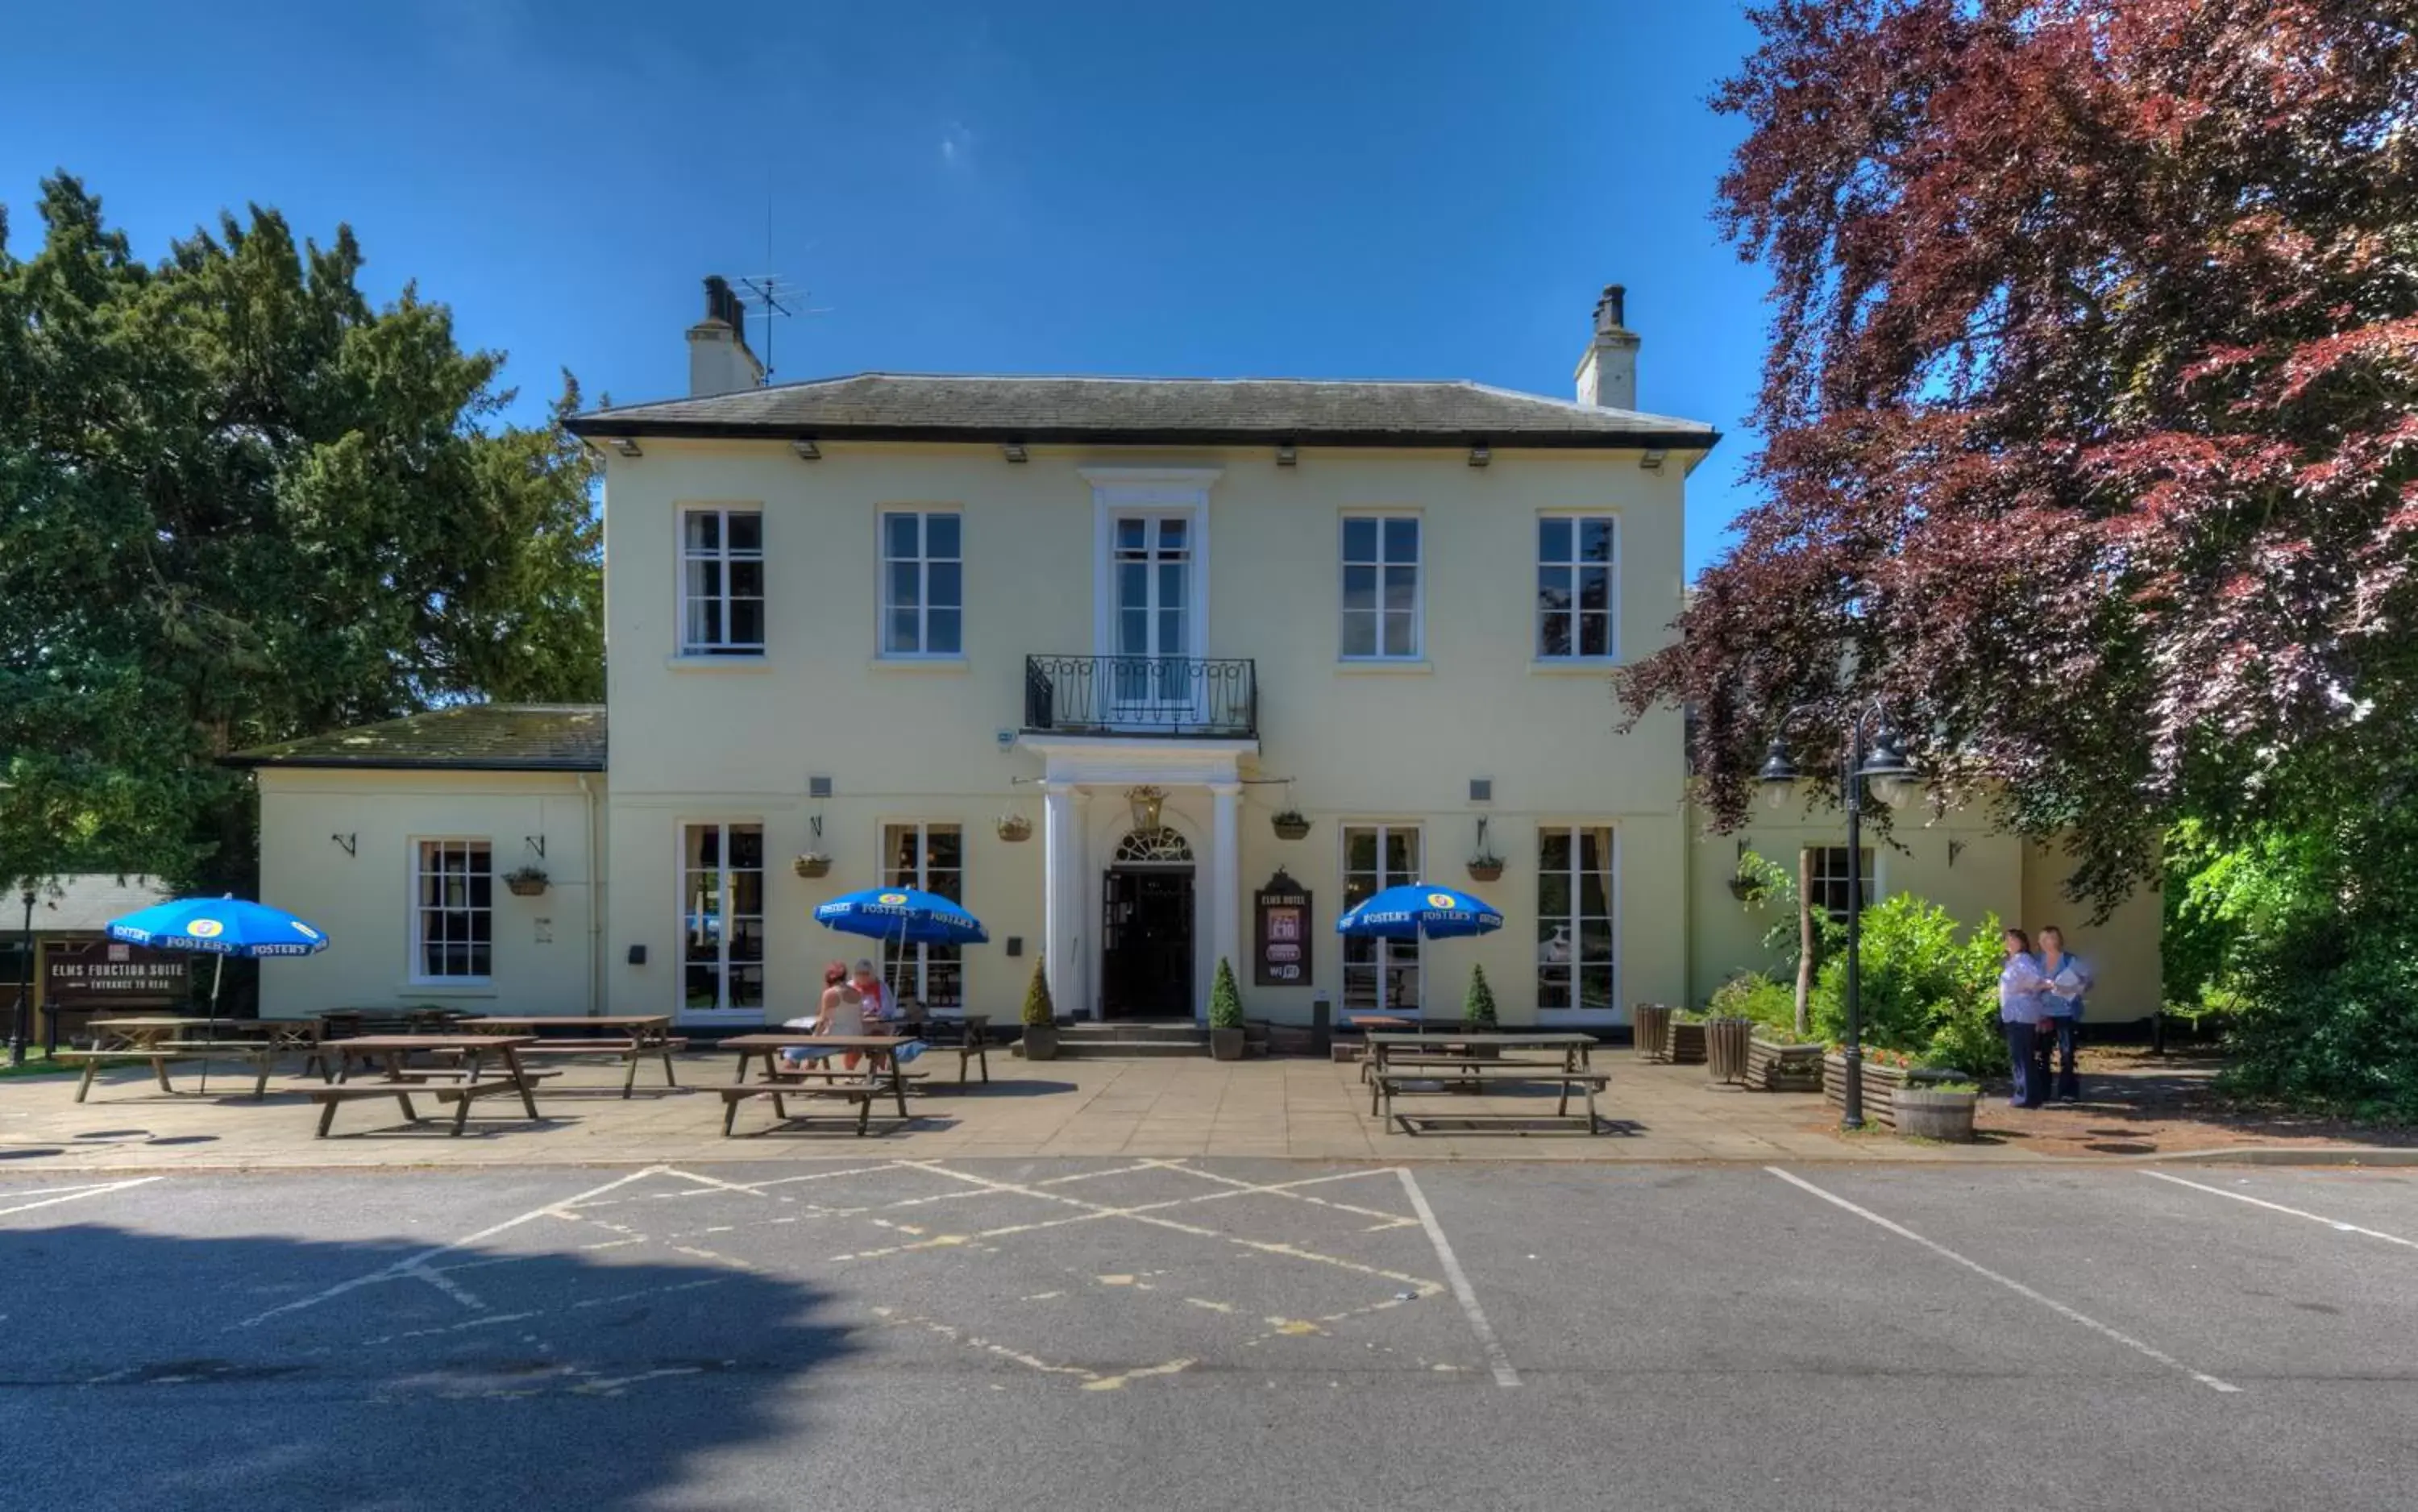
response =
{"points": [[420, 1262], [2070, 1314], [76, 1196], [2335, 1224], [1496, 1359]]}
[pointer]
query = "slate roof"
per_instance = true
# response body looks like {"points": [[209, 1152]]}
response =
{"points": [[466, 737], [86, 903], [918, 407]]}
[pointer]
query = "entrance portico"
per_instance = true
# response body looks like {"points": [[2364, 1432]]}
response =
{"points": [[1090, 828]]}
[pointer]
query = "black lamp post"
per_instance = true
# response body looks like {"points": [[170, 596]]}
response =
{"points": [[1871, 754], [25, 985]]}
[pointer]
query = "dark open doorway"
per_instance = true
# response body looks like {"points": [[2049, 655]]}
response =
{"points": [[1146, 944]]}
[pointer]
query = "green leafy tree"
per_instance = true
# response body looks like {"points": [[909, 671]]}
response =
{"points": [[1225, 999], [1039, 1011], [238, 505]]}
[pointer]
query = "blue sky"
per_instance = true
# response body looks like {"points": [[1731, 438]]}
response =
{"points": [[1329, 190]]}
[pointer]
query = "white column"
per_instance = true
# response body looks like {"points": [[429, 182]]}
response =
{"points": [[1061, 896], [1225, 882]]}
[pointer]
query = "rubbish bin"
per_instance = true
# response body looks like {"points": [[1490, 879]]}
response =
{"points": [[1322, 1026], [1725, 1047], [1652, 1021]]}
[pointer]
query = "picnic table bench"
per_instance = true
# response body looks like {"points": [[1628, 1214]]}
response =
{"points": [[1403, 1065], [881, 1078], [644, 1034], [462, 1082], [160, 1049]]}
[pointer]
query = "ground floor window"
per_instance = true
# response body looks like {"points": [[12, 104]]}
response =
{"points": [[1575, 888], [1379, 975], [1831, 880], [930, 857], [722, 924], [453, 917]]}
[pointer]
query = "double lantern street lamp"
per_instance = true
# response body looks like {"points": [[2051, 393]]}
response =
{"points": [[1872, 755]]}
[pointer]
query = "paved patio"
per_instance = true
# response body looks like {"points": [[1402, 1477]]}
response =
{"points": [[1167, 1108]]}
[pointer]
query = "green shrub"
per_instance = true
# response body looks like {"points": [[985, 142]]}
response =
{"points": [[1751, 995], [1477, 1007], [1039, 1013], [1925, 991], [1225, 1000]]}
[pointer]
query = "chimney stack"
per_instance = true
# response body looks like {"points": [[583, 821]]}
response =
{"points": [[719, 361], [1607, 375]]}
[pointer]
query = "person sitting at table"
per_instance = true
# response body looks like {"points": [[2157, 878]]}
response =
{"points": [[868, 982], [841, 1012]]}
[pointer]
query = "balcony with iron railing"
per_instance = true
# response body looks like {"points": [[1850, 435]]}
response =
{"points": [[1187, 697]]}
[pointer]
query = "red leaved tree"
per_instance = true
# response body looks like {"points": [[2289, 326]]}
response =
{"points": [[2091, 408]]}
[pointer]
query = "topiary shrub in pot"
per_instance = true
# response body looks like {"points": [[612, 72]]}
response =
{"points": [[1225, 1014], [1478, 1012], [1040, 1041]]}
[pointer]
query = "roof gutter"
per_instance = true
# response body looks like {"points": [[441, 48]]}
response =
{"points": [[593, 427]]}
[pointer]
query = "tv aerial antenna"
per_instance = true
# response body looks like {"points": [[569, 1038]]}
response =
{"points": [[770, 297]]}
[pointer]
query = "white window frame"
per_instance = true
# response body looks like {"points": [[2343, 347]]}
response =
{"points": [[723, 1011], [1610, 1013], [1390, 952], [1417, 564], [1578, 520], [924, 559], [910, 974], [419, 973], [1824, 878], [723, 556], [1117, 492]]}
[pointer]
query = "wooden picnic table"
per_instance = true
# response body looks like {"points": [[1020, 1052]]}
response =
{"points": [[460, 1082], [1475, 1059], [642, 1035], [160, 1039], [882, 1073]]}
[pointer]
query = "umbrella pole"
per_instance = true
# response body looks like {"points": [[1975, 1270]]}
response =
{"points": [[217, 972]]}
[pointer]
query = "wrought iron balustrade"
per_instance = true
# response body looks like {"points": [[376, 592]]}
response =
{"points": [[1179, 696]]}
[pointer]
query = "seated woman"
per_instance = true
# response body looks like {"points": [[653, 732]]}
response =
{"points": [[841, 1012]]}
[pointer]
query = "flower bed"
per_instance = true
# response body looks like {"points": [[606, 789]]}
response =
{"points": [[1774, 1066], [1884, 1073]]}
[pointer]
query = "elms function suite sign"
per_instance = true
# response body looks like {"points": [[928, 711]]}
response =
{"points": [[79, 972]]}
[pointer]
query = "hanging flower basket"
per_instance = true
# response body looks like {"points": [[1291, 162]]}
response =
{"points": [[1291, 824], [1014, 828], [527, 882], [1485, 868], [813, 863], [1745, 889]]}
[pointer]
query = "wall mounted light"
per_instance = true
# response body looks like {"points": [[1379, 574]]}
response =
{"points": [[1652, 461], [627, 446], [806, 451], [1955, 849], [1479, 455], [1013, 451], [349, 842], [1286, 455]]}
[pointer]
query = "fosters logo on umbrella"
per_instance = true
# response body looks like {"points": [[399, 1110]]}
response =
{"points": [[891, 899], [205, 929], [1442, 900]]}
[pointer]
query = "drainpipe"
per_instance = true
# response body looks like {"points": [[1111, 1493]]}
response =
{"points": [[595, 881]]}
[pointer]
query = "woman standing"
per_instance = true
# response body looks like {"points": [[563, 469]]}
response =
{"points": [[2066, 979], [2020, 987]]}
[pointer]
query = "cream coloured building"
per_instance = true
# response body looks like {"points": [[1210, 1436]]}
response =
{"points": [[1065, 649]]}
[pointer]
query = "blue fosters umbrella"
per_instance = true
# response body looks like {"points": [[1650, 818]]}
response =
{"points": [[1421, 908], [903, 914], [220, 926]]}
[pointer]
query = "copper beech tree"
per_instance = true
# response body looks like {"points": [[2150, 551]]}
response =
{"points": [[2091, 412]]}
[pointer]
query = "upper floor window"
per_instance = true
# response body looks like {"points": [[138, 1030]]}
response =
{"points": [[923, 584], [722, 582], [453, 916], [1381, 587], [1577, 591]]}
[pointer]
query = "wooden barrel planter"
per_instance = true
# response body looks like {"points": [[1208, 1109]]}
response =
{"points": [[1771, 1066], [1650, 1025], [1685, 1043], [1881, 1085], [1924, 1114], [1725, 1047]]}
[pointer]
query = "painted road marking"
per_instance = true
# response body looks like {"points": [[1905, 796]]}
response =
{"points": [[2335, 1224], [73, 1197], [1496, 1359], [2069, 1314], [420, 1262]]}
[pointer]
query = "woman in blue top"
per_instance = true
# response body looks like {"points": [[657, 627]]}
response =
{"points": [[2020, 985], [2066, 978]]}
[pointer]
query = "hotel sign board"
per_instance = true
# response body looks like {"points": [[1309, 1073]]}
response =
{"points": [[95, 973], [1280, 941]]}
